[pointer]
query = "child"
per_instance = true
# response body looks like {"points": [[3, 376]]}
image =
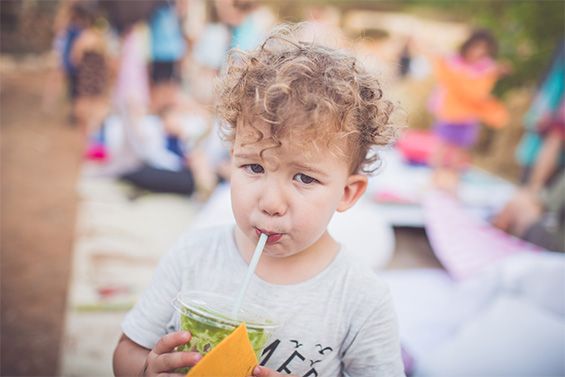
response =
{"points": [[302, 120], [89, 56], [463, 100]]}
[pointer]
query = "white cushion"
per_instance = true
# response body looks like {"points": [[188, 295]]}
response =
{"points": [[511, 337]]}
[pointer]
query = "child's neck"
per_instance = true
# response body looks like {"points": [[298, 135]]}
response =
{"points": [[296, 268]]}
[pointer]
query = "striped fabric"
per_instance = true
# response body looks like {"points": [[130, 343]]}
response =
{"points": [[465, 244]]}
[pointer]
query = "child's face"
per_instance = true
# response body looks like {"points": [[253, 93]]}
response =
{"points": [[290, 194], [477, 51]]}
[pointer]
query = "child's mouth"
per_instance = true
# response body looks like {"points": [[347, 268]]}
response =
{"points": [[272, 237]]}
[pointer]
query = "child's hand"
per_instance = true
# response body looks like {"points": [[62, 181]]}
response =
{"points": [[266, 372], [164, 359]]}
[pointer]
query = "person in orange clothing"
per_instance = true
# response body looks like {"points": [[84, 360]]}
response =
{"points": [[463, 101]]}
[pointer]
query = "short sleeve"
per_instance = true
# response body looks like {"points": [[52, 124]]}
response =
{"points": [[374, 346]]}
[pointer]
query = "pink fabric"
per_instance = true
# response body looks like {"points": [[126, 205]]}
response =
{"points": [[464, 244], [132, 82], [96, 152], [479, 68], [417, 146]]}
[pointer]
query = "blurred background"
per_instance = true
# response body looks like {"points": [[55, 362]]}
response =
{"points": [[109, 151]]}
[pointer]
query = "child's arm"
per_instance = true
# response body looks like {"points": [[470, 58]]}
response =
{"points": [[130, 359]]}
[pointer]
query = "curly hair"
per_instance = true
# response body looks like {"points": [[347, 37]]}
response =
{"points": [[303, 89]]}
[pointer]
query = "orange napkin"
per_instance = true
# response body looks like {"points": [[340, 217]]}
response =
{"points": [[233, 357]]}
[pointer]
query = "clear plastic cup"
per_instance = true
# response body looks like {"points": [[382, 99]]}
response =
{"points": [[207, 316]]}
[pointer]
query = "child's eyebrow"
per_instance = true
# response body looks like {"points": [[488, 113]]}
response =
{"points": [[308, 168], [246, 155]]}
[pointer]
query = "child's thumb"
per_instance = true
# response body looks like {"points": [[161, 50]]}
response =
{"points": [[259, 372]]}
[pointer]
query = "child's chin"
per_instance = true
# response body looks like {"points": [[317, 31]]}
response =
{"points": [[275, 252]]}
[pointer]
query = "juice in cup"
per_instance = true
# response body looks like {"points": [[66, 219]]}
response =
{"points": [[207, 316]]}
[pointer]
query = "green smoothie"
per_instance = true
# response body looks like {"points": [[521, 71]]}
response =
{"points": [[206, 316]]}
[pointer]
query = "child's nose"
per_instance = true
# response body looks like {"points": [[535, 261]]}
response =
{"points": [[273, 202]]}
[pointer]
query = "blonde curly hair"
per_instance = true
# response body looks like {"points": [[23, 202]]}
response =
{"points": [[302, 89]]}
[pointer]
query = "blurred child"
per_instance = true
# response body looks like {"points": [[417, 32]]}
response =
{"points": [[302, 120], [165, 145], [71, 19], [462, 101], [89, 56]]}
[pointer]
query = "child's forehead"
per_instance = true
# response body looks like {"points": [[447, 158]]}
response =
{"points": [[290, 142], [285, 148]]}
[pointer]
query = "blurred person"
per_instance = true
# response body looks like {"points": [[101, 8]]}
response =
{"points": [[255, 22], [231, 24], [90, 58], [132, 92], [73, 16], [536, 212], [237, 24], [209, 52], [541, 151], [405, 58], [168, 47], [58, 78], [537, 218], [495, 292], [462, 101], [322, 26], [165, 144]]}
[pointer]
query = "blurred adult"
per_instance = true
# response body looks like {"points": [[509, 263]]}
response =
{"points": [[538, 218], [541, 151], [168, 48], [536, 213]]}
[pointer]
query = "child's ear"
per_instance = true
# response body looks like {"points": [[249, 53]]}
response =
{"points": [[355, 187]]}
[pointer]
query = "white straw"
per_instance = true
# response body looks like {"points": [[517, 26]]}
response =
{"points": [[250, 271]]}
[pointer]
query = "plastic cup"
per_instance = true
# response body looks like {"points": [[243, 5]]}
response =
{"points": [[207, 316]]}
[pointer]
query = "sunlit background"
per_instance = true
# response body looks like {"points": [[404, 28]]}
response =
{"points": [[110, 150]]}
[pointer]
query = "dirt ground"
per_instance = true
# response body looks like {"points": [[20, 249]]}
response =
{"points": [[40, 158]]}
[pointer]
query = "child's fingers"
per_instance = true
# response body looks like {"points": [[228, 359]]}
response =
{"points": [[174, 360], [259, 371], [168, 343]]}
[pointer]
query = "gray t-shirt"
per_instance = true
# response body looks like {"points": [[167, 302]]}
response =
{"points": [[339, 322]]}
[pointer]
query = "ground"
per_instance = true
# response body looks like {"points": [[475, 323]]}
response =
{"points": [[40, 157]]}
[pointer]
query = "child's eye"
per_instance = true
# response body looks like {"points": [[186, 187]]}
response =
{"points": [[254, 168], [306, 179]]}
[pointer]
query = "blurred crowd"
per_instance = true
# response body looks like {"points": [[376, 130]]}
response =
{"points": [[140, 80], [140, 77]]}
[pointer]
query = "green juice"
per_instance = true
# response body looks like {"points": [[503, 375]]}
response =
{"points": [[204, 315], [206, 334]]}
